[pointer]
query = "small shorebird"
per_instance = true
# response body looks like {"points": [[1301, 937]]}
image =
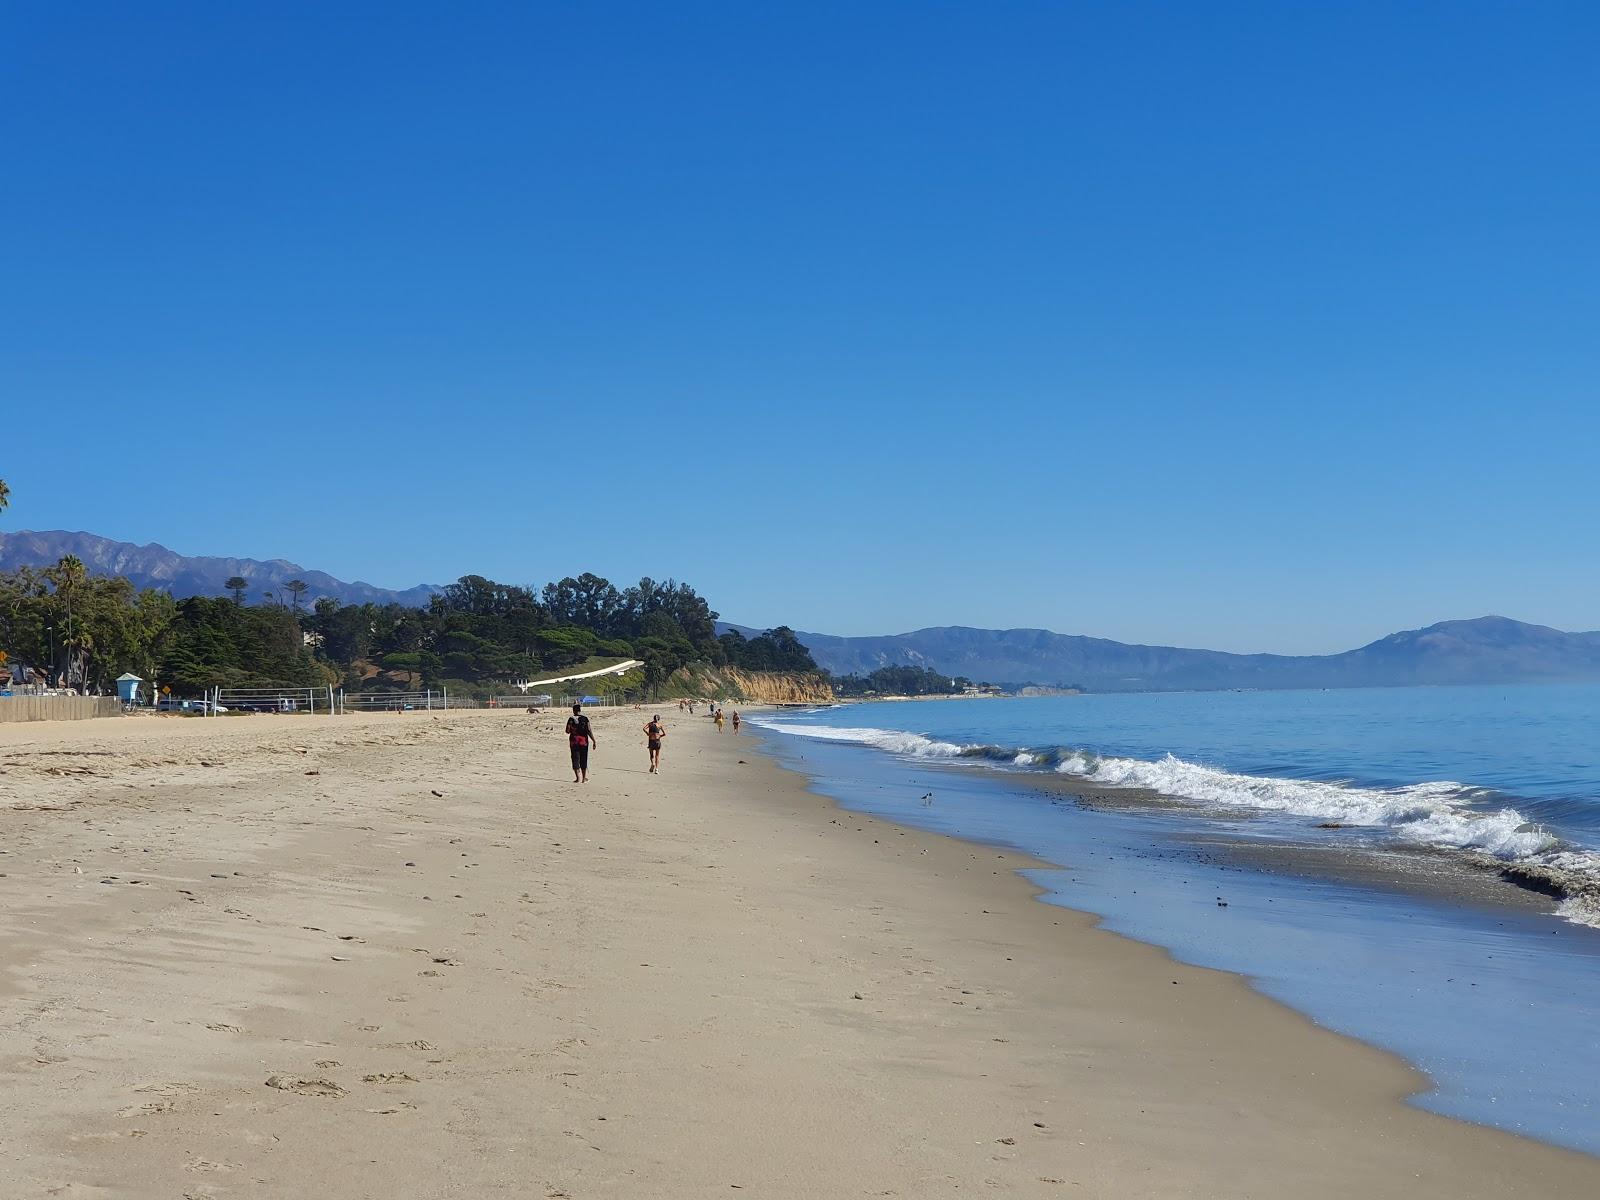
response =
{"points": [[927, 800]]}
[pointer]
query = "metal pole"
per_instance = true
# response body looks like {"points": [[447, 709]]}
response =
{"points": [[447, 699]]}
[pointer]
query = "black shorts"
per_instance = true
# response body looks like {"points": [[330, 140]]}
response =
{"points": [[654, 745], [580, 758]]}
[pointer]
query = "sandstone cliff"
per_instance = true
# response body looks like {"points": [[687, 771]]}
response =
{"points": [[757, 687]]}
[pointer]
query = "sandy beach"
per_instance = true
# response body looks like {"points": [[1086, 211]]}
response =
{"points": [[405, 956]]}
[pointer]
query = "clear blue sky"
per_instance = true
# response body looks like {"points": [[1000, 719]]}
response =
{"points": [[1254, 326]]}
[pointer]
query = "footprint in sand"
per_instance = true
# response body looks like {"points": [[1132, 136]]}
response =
{"points": [[389, 1077], [305, 1087], [146, 1110], [168, 1089]]}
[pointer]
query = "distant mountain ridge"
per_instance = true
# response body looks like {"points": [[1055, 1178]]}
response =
{"points": [[154, 566], [1485, 650]]}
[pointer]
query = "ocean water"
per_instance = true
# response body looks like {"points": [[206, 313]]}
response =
{"points": [[1498, 1004], [1507, 774]]}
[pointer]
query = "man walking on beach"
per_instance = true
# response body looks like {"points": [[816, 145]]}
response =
{"points": [[654, 734], [580, 736]]}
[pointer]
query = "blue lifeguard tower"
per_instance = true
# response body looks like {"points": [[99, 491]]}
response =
{"points": [[128, 688]]}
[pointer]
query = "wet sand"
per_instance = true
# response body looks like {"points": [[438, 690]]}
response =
{"points": [[405, 956]]}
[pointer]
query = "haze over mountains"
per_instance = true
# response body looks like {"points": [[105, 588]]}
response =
{"points": [[1485, 650]]}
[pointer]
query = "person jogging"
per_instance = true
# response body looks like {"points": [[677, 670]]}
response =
{"points": [[654, 734], [736, 720], [580, 736]]}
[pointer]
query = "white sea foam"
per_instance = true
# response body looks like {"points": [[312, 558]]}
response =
{"points": [[1440, 814], [1437, 814], [892, 740]]}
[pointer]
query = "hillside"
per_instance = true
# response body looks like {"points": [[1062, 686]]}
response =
{"points": [[154, 566]]}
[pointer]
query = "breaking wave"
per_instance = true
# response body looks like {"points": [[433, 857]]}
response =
{"points": [[1439, 815]]}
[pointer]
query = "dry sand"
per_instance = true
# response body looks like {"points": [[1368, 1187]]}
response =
{"points": [[261, 957]]}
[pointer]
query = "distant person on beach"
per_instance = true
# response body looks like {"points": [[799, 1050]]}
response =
{"points": [[654, 734], [736, 720], [719, 720], [580, 736]]}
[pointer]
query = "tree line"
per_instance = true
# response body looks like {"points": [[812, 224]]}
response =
{"points": [[476, 635], [83, 631], [899, 681]]}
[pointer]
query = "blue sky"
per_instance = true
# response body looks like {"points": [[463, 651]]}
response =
{"points": [[1254, 326]]}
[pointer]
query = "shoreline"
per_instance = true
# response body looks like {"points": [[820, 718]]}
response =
{"points": [[1442, 874], [1354, 853], [1339, 934], [712, 978]]}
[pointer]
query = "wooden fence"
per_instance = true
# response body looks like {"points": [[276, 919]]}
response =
{"points": [[57, 708]]}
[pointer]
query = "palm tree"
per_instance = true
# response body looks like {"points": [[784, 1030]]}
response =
{"points": [[296, 588], [5, 496], [238, 585], [67, 577]]}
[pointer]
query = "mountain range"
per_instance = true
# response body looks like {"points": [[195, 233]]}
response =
{"points": [[1484, 650], [155, 566]]}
